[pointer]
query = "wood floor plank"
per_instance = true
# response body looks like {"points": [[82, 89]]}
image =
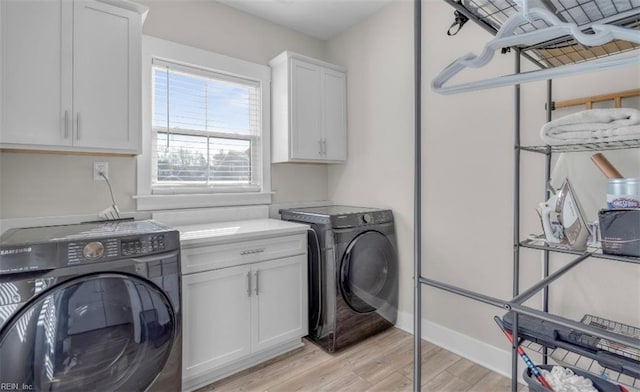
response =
{"points": [[468, 371], [314, 379], [349, 383], [380, 367], [382, 363], [396, 382], [262, 377], [436, 362], [492, 382], [446, 382]]}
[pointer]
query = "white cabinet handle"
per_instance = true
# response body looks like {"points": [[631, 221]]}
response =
{"points": [[324, 146], [66, 124], [78, 126], [320, 143], [257, 282], [249, 284], [251, 251]]}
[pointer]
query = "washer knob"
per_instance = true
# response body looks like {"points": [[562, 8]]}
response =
{"points": [[93, 250], [367, 218]]}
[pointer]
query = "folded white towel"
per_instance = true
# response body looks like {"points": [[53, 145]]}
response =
{"points": [[593, 126]]}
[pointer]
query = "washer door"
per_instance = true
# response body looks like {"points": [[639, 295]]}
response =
{"points": [[368, 272], [109, 332]]}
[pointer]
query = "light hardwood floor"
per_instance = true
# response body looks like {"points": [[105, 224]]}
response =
{"points": [[381, 363]]}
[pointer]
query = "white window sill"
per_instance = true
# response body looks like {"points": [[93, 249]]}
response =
{"points": [[165, 202]]}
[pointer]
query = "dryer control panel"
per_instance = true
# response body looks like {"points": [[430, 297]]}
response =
{"points": [[362, 219], [338, 216]]}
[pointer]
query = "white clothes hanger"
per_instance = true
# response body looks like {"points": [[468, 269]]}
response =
{"points": [[505, 38]]}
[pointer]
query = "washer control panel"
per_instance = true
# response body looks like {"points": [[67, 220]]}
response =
{"points": [[107, 249], [142, 245]]}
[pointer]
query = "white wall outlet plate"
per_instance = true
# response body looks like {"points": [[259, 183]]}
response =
{"points": [[100, 167]]}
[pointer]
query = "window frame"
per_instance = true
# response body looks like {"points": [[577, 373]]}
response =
{"points": [[167, 197]]}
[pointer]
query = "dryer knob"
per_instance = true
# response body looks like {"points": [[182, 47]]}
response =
{"points": [[367, 218]]}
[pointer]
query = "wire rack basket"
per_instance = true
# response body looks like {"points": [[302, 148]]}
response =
{"points": [[565, 50]]}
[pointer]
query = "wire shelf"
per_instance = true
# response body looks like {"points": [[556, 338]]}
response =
{"points": [[617, 145], [615, 327], [570, 359], [565, 50], [593, 251]]}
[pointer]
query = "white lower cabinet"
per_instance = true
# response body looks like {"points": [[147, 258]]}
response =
{"points": [[279, 311], [217, 316], [236, 317]]}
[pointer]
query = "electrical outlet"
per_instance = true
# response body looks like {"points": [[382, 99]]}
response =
{"points": [[100, 167]]}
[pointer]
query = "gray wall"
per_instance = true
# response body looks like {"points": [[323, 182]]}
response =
{"points": [[467, 171]]}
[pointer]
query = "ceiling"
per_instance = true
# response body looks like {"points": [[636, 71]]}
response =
{"points": [[322, 19]]}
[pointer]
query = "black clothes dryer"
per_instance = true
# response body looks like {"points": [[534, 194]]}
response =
{"points": [[91, 307], [353, 272]]}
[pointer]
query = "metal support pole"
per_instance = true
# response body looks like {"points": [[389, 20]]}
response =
{"points": [[516, 225], [547, 194], [466, 293], [417, 201]]}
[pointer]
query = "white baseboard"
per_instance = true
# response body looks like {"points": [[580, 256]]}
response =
{"points": [[465, 346]]}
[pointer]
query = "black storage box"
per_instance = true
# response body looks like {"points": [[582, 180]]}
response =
{"points": [[620, 231]]}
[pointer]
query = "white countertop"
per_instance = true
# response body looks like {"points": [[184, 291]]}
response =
{"points": [[235, 231]]}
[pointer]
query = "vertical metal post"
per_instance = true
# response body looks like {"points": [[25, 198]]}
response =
{"points": [[547, 179], [516, 225], [417, 201]]}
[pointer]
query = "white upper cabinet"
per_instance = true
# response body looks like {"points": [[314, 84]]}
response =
{"points": [[70, 75], [309, 110]]}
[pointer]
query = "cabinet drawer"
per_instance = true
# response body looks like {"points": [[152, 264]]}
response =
{"points": [[206, 258]]}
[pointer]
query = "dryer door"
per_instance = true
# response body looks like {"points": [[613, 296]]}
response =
{"points": [[369, 273], [110, 332]]}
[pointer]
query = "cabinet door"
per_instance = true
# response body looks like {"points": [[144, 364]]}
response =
{"points": [[35, 80], [217, 319], [306, 113], [280, 301], [106, 84], [335, 115]]}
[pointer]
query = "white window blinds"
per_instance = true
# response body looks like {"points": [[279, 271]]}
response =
{"points": [[205, 129]]}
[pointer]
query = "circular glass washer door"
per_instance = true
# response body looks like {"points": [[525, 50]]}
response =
{"points": [[368, 272], [106, 332]]}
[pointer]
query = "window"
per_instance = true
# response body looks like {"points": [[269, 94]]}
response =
{"points": [[206, 131]]}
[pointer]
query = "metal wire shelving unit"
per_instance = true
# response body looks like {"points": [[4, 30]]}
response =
{"points": [[490, 15]]}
